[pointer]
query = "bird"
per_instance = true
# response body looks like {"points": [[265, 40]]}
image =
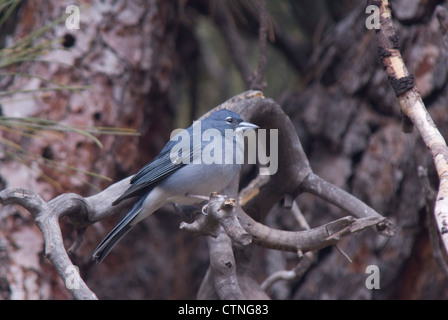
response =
{"points": [[184, 179]]}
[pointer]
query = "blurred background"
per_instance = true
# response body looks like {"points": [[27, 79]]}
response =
{"points": [[84, 105]]}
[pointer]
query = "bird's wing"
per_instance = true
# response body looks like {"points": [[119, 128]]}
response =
{"points": [[158, 169]]}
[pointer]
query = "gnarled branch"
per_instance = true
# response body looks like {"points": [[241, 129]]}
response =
{"points": [[414, 109], [234, 225]]}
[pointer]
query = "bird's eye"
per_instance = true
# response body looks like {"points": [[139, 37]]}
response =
{"points": [[229, 119]]}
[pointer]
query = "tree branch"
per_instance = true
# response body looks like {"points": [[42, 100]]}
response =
{"points": [[344, 200], [309, 240], [233, 41], [220, 212], [223, 267], [257, 76], [413, 108], [303, 265], [46, 216], [430, 197], [233, 227], [294, 174]]}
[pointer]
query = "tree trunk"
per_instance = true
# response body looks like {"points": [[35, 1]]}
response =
{"points": [[125, 52]]}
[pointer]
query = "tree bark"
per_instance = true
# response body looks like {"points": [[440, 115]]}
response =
{"points": [[125, 51]]}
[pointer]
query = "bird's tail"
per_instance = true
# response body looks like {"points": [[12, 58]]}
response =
{"points": [[123, 227]]}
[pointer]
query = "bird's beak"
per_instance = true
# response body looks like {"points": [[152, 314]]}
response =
{"points": [[243, 126]]}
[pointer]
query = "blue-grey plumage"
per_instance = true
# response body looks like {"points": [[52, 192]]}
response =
{"points": [[165, 179]]}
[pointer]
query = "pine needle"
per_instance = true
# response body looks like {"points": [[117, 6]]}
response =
{"points": [[31, 48]]}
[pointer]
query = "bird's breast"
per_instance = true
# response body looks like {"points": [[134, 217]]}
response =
{"points": [[199, 179]]}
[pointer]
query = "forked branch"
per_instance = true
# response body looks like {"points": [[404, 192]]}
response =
{"points": [[231, 223]]}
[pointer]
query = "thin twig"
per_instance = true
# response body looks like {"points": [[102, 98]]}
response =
{"points": [[257, 76], [288, 275], [233, 41]]}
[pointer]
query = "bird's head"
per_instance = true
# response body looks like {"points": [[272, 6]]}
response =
{"points": [[225, 119]]}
